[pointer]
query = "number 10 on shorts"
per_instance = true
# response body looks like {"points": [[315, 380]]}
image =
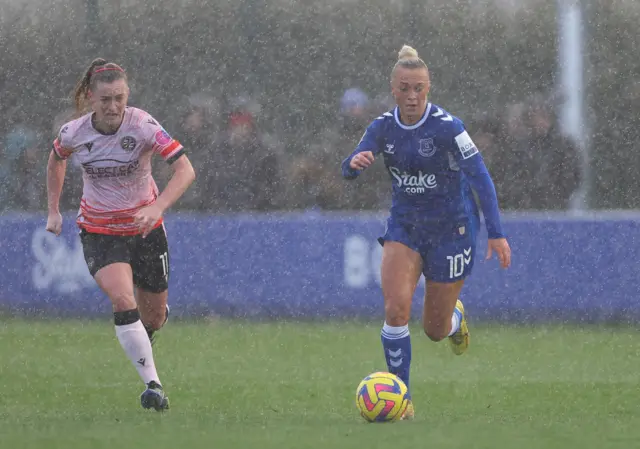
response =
{"points": [[458, 262]]}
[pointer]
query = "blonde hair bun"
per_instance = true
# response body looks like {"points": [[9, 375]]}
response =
{"points": [[407, 52]]}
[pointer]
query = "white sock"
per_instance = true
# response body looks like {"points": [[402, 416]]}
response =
{"points": [[393, 332], [135, 342], [455, 322]]}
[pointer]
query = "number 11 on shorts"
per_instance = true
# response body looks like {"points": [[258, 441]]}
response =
{"points": [[165, 264]]}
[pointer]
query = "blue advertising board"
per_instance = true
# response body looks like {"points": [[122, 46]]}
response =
{"points": [[313, 265]]}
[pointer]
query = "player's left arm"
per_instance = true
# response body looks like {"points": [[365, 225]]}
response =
{"points": [[472, 165], [183, 175]]}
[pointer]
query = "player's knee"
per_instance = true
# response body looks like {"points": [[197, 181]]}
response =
{"points": [[435, 334], [155, 319], [123, 301], [396, 312], [436, 327]]}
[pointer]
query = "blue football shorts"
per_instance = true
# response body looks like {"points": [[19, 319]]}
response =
{"points": [[447, 250]]}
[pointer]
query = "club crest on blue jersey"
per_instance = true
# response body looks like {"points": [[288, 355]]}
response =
{"points": [[427, 148]]}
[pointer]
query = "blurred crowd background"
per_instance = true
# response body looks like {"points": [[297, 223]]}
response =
{"points": [[268, 96]]}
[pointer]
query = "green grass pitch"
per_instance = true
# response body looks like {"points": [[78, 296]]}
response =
{"points": [[237, 384]]}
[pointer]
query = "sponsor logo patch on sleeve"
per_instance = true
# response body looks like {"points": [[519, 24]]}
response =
{"points": [[163, 138], [465, 145]]}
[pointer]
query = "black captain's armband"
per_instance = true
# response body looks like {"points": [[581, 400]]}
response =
{"points": [[176, 156]]}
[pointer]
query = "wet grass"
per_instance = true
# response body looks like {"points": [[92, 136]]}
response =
{"points": [[232, 384]]}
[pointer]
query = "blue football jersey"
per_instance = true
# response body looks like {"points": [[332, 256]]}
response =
{"points": [[431, 165]]}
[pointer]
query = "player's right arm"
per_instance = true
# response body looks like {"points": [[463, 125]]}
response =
{"points": [[56, 168], [363, 156]]}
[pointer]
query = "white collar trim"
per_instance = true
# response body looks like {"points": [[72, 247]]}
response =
{"points": [[417, 125]]}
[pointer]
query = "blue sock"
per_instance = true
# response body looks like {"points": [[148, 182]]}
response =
{"points": [[396, 343]]}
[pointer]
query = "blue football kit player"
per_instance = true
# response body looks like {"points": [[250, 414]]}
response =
{"points": [[434, 167]]}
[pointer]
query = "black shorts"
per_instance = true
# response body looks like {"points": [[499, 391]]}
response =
{"points": [[148, 257]]}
